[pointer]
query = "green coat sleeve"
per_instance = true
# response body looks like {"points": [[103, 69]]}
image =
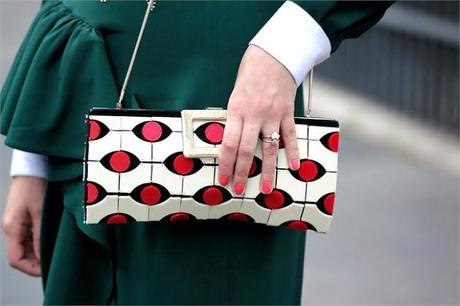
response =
{"points": [[344, 19]]}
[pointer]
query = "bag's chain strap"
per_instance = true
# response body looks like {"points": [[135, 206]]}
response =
{"points": [[150, 7], [310, 89]]}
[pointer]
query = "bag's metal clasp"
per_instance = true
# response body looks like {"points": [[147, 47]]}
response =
{"points": [[188, 117]]}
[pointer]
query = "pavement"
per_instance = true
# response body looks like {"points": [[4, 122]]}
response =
{"points": [[394, 239]]}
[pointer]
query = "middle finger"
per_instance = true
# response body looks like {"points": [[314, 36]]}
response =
{"points": [[245, 156]]}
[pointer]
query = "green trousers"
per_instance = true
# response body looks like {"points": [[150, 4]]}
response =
{"points": [[74, 57]]}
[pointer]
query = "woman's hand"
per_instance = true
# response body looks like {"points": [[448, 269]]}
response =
{"points": [[21, 223], [262, 101]]}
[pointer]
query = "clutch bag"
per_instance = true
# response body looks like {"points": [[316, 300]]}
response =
{"points": [[150, 165], [161, 165]]}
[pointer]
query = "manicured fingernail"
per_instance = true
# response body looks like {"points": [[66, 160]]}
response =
{"points": [[238, 188], [266, 187], [294, 164], [223, 180]]}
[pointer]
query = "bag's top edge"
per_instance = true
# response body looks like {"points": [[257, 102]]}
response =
{"points": [[95, 111], [133, 112]]}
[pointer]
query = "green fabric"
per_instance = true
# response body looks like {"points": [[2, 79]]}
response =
{"points": [[74, 57], [76, 261], [344, 19]]}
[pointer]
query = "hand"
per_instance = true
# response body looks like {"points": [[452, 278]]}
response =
{"points": [[262, 101], [21, 223]]}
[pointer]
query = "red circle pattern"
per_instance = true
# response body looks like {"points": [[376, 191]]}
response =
{"points": [[117, 219], [253, 168], [152, 131], [329, 203], [212, 196], [182, 164], [333, 142], [120, 161], [274, 199], [298, 225], [214, 133], [237, 217], [308, 170], [179, 217], [91, 193], [94, 130], [150, 195]]}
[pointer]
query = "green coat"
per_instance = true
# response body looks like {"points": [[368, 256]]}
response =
{"points": [[74, 57]]}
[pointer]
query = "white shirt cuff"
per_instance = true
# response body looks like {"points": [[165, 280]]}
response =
{"points": [[28, 164], [295, 39]]}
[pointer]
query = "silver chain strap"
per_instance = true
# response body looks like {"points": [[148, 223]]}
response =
{"points": [[150, 7], [310, 90]]}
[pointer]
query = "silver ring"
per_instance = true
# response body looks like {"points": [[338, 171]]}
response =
{"points": [[273, 139]]}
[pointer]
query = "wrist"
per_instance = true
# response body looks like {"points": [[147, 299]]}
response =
{"points": [[295, 39], [283, 70]]}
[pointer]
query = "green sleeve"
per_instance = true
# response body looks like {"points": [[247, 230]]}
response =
{"points": [[344, 19]]}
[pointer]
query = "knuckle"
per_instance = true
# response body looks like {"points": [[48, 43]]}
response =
{"points": [[272, 111], [223, 170], [13, 263], [220, 156], [291, 144], [290, 132], [234, 102], [268, 176], [229, 146], [36, 211], [270, 151], [240, 175], [293, 152], [246, 152], [6, 225], [233, 107], [238, 100], [257, 111], [289, 106]]}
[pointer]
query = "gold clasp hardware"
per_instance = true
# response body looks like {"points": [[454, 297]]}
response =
{"points": [[188, 117]]}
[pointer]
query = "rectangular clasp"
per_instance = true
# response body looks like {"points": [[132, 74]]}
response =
{"points": [[188, 117]]}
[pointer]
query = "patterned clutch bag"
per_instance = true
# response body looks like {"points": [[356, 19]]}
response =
{"points": [[154, 165], [142, 165]]}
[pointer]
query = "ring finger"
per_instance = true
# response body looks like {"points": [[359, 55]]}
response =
{"points": [[269, 157]]}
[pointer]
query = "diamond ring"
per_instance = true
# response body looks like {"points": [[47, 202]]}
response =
{"points": [[273, 139]]}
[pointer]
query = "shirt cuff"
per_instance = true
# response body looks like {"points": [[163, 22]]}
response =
{"points": [[28, 164], [295, 39]]}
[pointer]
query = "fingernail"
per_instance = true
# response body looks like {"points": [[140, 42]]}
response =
{"points": [[294, 164], [238, 188], [223, 180], [266, 187]]}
